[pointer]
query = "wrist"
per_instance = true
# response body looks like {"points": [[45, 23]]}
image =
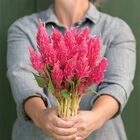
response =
{"points": [[39, 117], [34, 107], [98, 118], [105, 107]]}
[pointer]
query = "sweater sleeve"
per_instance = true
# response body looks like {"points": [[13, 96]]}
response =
{"points": [[121, 55], [19, 72]]}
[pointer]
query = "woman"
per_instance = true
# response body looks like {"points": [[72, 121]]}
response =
{"points": [[98, 118]]}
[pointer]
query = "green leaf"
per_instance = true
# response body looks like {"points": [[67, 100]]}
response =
{"points": [[91, 90], [48, 68], [59, 95], [47, 72], [65, 93], [51, 89], [78, 82], [68, 85], [40, 80], [71, 84], [74, 80], [50, 84]]}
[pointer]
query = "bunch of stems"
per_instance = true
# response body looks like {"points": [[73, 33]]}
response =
{"points": [[68, 106]]}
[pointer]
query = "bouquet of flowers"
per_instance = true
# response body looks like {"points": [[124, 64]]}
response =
{"points": [[67, 65]]}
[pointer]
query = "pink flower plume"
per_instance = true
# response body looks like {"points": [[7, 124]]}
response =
{"points": [[74, 30], [94, 48], [45, 46], [86, 33], [59, 46], [71, 56], [50, 56], [42, 37], [82, 49], [82, 68], [56, 37], [69, 69], [70, 43], [36, 60], [57, 75], [82, 35], [97, 75]]}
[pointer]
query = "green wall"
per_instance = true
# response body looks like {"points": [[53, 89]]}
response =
{"points": [[11, 10], [129, 11]]}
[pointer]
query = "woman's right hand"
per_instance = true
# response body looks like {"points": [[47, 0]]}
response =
{"points": [[56, 127], [48, 120]]}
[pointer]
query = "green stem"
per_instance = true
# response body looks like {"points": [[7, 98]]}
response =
{"points": [[68, 107]]}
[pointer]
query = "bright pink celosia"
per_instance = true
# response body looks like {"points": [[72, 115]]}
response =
{"points": [[82, 35], [94, 48], [42, 38], [70, 43], [74, 30], [82, 68], [59, 45], [86, 33], [49, 55], [36, 60], [57, 75], [56, 37], [62, 53], [45, 47], [39, 33], [82, 49], [69, 69], [73, 56], [79, 37], [96, 75]]}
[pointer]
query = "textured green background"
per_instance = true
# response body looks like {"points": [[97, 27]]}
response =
{"points": [[11, 10]]}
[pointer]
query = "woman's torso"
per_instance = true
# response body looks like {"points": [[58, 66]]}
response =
{"points": [[98, 23]]}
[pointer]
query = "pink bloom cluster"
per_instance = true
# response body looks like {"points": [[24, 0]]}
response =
{"points": [[73, 56]]}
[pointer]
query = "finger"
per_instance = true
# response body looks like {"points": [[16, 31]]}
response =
{"points": [[58, 137], [79, 138], [75, 119], [72, 118], [58, 122], [55, 110], [64, 131]]}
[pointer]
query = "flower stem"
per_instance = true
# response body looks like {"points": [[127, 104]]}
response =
{"points": [[68, 106]]}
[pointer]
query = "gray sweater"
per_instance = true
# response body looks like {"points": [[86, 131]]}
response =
{"points": [[118, 46]]}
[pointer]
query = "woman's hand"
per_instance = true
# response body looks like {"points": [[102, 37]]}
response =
{"points": [[87, 122], [77, 127], [48, 120], [56, 127]]}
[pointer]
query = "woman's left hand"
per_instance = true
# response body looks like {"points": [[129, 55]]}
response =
{"points": [[105, 107], [87, 122]]}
